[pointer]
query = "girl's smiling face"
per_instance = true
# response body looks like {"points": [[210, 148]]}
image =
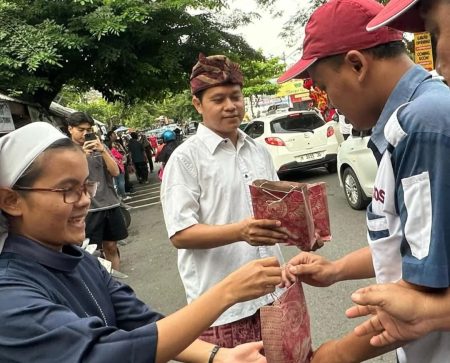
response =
{"points": [[45, 216]]}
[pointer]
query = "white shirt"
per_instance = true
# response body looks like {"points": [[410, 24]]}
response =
{"points": [[206, 182], [346, 128]]}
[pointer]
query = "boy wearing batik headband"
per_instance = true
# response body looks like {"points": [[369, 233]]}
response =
{"points": [[369, 77], [206, 201]]}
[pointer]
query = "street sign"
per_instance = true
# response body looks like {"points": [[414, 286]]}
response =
{"points": [[422, 50], [293, 87]]}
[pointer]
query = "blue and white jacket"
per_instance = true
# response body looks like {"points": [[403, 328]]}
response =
{"points": [[409, 217]]}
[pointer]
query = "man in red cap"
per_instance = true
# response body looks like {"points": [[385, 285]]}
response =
{"points": [[206, 202], [396, 313], [369, 77], [418, 16]]}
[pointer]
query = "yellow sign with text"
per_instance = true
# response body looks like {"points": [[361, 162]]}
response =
{"points": [[292, 87], [423, 53]]}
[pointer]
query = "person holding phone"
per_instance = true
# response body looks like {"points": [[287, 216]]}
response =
{"points": [[104, 223]]}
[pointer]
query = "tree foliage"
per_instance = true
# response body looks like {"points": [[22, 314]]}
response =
{"points": [[142, 114], [129, 50], [259, 75], [259, 78], [93, 103], [175, 106]]}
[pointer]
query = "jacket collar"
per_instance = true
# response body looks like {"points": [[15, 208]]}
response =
{"points": [[402, 93], [66, 261]]}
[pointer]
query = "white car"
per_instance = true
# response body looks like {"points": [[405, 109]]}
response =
{"points": [[296, 140], [277, 108], [357, 169]]}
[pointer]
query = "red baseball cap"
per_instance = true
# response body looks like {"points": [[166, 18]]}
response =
{"points": [[337, 27], [399, 14]]}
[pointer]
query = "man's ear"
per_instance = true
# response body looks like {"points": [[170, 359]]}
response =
{"points": [[10, 202], [197, 104], [358, 63]]}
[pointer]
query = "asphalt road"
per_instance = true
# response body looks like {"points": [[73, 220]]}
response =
{"points": [[151, 261]]}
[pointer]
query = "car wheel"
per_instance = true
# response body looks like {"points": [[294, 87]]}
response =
{"points": [[332, 167], [353, 192]]}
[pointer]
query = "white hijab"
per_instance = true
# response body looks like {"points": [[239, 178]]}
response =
{"points": [[18, 150]]}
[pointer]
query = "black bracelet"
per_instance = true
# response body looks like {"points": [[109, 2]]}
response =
{"points": [[213, 353]]}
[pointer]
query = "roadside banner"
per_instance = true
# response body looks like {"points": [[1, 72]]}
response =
{"points": [[422, 50], [293, 87]]}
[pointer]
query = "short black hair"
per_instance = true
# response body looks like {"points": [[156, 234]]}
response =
{"points": [[134, 135], [34, 171], [78, 118], [200, 94], [383, 51]]}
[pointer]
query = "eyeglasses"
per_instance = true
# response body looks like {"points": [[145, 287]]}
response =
{"points": [[70, 196]]}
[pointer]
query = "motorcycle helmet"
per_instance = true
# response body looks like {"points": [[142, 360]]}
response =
{"points": [[168, 135]]}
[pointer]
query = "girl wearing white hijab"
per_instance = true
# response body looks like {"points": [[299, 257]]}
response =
{"points": [[57, 303]]}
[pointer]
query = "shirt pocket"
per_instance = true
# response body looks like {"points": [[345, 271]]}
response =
{"points": [[417, 199]]}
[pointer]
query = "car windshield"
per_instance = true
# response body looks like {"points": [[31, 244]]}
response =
{"points": [[298, 122], [243, 125]]}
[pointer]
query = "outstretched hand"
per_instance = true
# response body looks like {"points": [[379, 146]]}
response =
{"points": [[397, 313], [311, 269], [244, 353], [254, 279], [262, 232]]}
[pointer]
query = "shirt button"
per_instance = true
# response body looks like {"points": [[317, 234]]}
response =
{"points": [[246, 175], [225, 141]]}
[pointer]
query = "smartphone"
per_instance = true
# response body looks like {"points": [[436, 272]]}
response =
{"points": [[90, 137]]}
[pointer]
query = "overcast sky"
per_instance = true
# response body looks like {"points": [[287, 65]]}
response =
{"points": [[264, 32]]}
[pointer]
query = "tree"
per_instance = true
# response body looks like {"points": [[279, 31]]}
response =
{"points": [[128, 50], [258, 78], [94, 104], [142, 114], [175, 106]]}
